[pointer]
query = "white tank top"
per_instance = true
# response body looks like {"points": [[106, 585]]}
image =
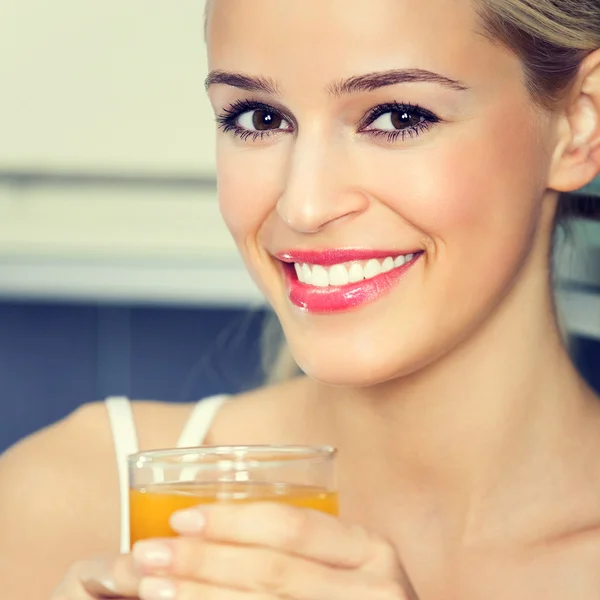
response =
{"points": [[125, 440]]}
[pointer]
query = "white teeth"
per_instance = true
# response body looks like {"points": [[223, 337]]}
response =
{"points": [[338, 275], [387, 265], [400, 261], [343, 274], [320, 278], [372, 269], [306, 271], [355, 273]]}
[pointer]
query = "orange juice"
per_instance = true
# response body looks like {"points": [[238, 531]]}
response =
{"points": [[151, 507]]}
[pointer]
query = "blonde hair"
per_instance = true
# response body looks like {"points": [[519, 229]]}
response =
{"points": [[551, 37]]}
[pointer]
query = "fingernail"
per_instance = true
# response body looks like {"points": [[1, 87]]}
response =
{"points": [[152, 554], [188, 521], [152, 588]]}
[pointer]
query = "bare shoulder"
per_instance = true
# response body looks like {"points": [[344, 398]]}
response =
{"points": [[71, 465], [47, 468], [59, 493], [58, 502]]}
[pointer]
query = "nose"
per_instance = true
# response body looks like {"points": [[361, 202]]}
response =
{"points": [[319, 188]]}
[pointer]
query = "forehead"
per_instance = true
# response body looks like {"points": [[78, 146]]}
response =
{"points": [[329, 39]]}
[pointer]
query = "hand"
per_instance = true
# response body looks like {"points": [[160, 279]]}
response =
{"points": [[100, 579], [267, 552]]}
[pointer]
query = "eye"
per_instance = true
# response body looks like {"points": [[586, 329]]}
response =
{"points": [[255, 120], [261, 120], [398, 121], [395, 120]]}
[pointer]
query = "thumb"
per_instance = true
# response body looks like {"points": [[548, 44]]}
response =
{"points": [[110, 578]]}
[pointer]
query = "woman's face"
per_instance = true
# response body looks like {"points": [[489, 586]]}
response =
{"points": [[390, 147]]}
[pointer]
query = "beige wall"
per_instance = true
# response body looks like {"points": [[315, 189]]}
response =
{"points": [[104, 85]]}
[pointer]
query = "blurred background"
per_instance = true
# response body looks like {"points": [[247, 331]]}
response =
{"points": [[117, 275]]}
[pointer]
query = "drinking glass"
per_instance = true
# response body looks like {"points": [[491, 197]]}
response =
{"points": [[164, 481]]}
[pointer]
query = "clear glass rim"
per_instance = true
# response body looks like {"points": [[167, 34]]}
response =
{"points": [[281, 454]]}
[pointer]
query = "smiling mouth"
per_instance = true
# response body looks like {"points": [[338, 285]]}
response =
{"points": [[336, 281], [342, 274]]}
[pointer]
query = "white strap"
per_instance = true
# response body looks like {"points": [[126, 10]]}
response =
{"points": [[200, 420], [125, 440]]}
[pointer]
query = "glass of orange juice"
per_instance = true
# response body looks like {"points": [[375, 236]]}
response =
{"points": [[164, 481]]}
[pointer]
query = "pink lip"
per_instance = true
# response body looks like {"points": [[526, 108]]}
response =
{"points": [[340, 298]]}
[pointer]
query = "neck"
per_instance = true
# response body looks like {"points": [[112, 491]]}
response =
{"points": [[484, 421]]}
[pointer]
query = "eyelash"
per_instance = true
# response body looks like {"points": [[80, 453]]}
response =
{"points": [[428, 120], [227, 120]]}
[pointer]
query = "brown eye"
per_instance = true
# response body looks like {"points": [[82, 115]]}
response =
{"points": [[404, 119], [263, 120], [398, 119]]}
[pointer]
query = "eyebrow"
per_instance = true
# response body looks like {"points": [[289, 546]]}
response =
{"points": [[250, 83], [374, 81], [359, 83]]}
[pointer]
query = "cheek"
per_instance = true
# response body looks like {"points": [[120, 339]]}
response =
{"points": [[476, 181], [249, 186]]}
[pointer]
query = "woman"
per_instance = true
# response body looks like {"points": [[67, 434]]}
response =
{"points": [[391, 172]]}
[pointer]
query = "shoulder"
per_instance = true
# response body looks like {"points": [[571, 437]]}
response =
{"points": [[82, 444], [76, 454], [86, 433], [60, 470], [58, 502], [56, 454], [59, 491]]}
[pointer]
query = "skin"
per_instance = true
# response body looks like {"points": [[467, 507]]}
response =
{"points": [[329, 187], [468, 443]]}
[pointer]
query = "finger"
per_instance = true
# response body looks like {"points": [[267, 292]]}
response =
{"points": [[155, 588], [301, 532], [110, 578], [158, 588], [255, 569], [267, 573], [71, 590]]}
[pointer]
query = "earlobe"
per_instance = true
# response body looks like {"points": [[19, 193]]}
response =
{"points": [[577, 157]]}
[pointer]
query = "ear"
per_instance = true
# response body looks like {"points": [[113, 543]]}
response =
{"points": [[576, 160]]}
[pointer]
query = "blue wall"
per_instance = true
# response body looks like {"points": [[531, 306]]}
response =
{"points": [[54, 357]]}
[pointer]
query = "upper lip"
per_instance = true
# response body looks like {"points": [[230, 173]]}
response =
{"points": [[328, 257]]}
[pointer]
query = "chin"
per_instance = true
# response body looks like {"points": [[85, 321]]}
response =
{"points": [[345, 363], [368, 349], [354, 374]]}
